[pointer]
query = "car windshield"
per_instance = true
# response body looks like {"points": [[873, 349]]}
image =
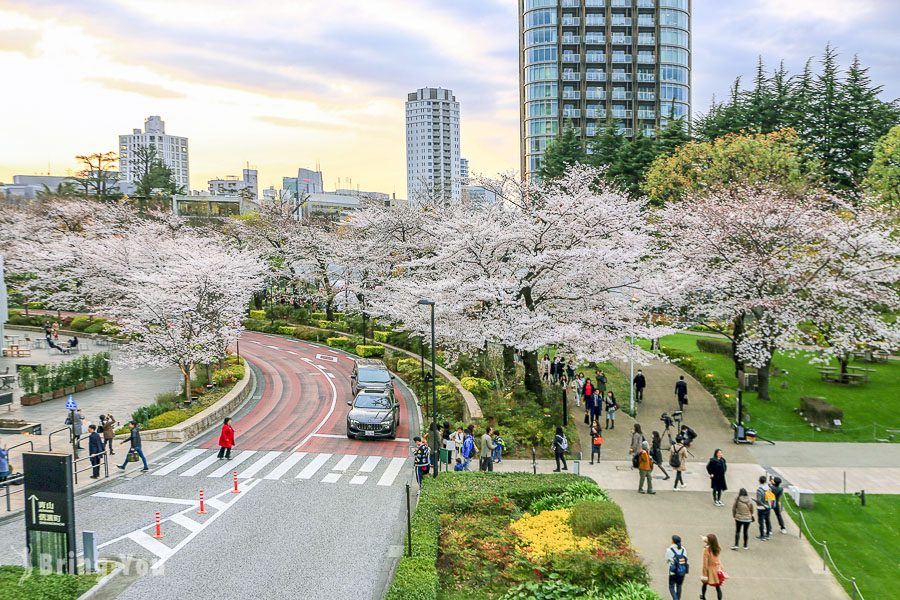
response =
{"points": [[375, 375], [372, 401]]}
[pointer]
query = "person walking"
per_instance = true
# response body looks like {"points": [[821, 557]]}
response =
{"points": [[634, 447], [587, 390], [486, 462], [596, 440], [597, 408], [545, 368], [421, 460], [560, 446], [499, 447], [570, 370], [656, 453], [716, 468], [681, 392], [468, 447], [226, 440], [742, 510], [765, 500], [457, 438], [109, 432], [95, 450], [712, 573], [4, 462], [678, 461], [589, 408], [134, 438], [640, 382], [676, 558], [600, 382], [558, 369], [775, 486], [611, 407], [645, 467]]}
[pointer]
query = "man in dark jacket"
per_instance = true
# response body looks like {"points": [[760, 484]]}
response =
{"points": [[95, 448], [640, 382], [135, 439], [681, 392]]}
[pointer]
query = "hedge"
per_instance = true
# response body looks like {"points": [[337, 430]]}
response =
{"points": [[820, 412], [337, 342], [722, 392], [367, 351], [593, 518], [381, 336], [723, 347], [480, 388], [258, 314], [80, 323], [286, 330]]}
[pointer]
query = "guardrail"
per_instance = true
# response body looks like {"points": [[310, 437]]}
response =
{"points": [[6, 484], [76, 470], [29, 442], [51, 434]]}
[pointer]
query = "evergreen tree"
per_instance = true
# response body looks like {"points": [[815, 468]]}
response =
{"points": [[562, 152], [782, 93], [760, 109], [883, 179], [604, 149], [634, 158], [800, 106], [823, 109], [673, 135]]}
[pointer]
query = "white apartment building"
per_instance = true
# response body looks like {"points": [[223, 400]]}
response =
{"points": [[171, 149], [231, 185], [464, 170], [432, 144]]}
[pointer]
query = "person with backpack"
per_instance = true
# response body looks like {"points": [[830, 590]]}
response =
{"points": [[590, 407], [742, 511], [678, 461], [775, 486], [560, 447], [468, 447], [611, 407], [676, 558], [499, 447], [635, 446], [645, 467], [640, 382], [596, 440], [656, 453], [716, 468], [712, 573], [765, 500], [4, 462], [421, 459]]}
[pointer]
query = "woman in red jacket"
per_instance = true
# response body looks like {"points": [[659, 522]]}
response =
{"points": [[226, 440]]}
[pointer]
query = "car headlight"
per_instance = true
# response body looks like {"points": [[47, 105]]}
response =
{"points": [[354, 423]]}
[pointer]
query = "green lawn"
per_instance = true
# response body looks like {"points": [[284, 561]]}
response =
{"points": [[864, 542], [16, 583], [869, 409]]}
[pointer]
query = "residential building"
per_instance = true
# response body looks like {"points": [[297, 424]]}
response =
{"points": [[464, 170], [432, 145], [171, 149], [231, 185], [589, 62], [307, 181], [476, 195]]}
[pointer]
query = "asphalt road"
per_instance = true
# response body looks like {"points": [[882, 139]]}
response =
{"points": [[317, 515]]}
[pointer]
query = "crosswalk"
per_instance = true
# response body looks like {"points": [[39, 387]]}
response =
{"points": [[323, 467]]}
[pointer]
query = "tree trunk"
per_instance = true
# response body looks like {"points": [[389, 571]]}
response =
{"points": [[186, 371], [329, 310], [736, 337], [208, 373], [532, 376], [762, 374], [509, 363], [844, 360]]}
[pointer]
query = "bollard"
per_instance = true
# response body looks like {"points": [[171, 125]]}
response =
{"points": [[577, 464], [845, 482], [534, 460], [89, 542], [235, 490], [158, 535], [202, 510], [824, 555]]}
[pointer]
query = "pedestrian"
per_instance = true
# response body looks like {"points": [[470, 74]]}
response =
{"points": [[656, 453], [226, 440], [457, 438], [775, 486], [545, 368], [109, 432], [742, 511], [468, 446], [4, 462], [134, 438], [678, 461], [580, 381], [712, 574], [76, 422], [765, 500], [681, 392], [640, 382], [597, 407], [676, 557], [422, 460], [587, 390], [645, 467], [447, 441], [560, 446], [573, 390], [600, 381], [589, 407], [634, 448], [716, 468], [499, 447], [459, 466], [55, 331], [486, 463], [559, 368], [688, 435], [95, 450], [596, 440], [570, 370], [611, 407]]}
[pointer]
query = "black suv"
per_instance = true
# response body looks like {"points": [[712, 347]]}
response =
{"points": [[371, 374], [373, 414]]}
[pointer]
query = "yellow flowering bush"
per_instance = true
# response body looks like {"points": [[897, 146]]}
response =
{"points": [[548, 533]]}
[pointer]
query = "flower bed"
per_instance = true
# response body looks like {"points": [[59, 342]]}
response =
{"points": [[487, 535], [46, 382]]}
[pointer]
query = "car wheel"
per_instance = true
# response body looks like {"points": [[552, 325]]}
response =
{"points": [[351, 436], [393, 435]]}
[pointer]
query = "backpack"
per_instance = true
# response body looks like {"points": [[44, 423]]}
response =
{"points": [[675, 459], [770, 498], [468, 447], [679, 566], [564, 444]]}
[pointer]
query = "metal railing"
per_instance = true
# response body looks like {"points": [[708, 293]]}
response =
{"points": [[29, 443], [6, 484], [52, 433], [76, 470]]}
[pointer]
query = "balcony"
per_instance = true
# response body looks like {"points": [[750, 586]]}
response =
{"points": [[621, 3], [626, 131], [571, 76], [646, 77], [621, 114], [571, 95], [571, 39], [621, 21], [595, 3], [595, 114], [647, 96], [646, 23], [622, 58], [571, 58], [595, 57], [649, 132], [618, 95], [646, 40], [571, 21], [570, 4], [593, 94], [595, 76], [645, 4], [621, 76], [592, 38], [622, 40], [647, 59], [590, 131], [571, 113], [595, 21], [646, 114]]}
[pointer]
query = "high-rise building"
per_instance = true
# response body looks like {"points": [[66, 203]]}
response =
{"points": [[171, 149], [464, 170], [432, 145], [589, 62]]}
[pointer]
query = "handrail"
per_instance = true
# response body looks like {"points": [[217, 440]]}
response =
{"points": [[11, 448], [76, 471], [6, 484], [51, 434]]}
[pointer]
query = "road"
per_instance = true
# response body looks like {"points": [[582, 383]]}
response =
{"points": [[317, 515]]}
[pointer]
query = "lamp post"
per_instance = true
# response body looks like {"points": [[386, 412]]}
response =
{"points": [[631, 366], [434, 429]]}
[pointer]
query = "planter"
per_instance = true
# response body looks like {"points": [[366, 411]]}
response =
{"points": [[59, 393], [20, 427], [108, 379], [80, 387], [46, 396], [30, 400], [70, 390], [89, 384], [99, 381]]}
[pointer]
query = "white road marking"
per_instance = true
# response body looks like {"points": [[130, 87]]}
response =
{"points": [[292, 352], [155, 499], [152, 544], [258, 465], [337, 436], [309, 360], [390, 474], [186, 522], [203, 464], [344, 463], [326, 357], [358, 480], [185, 458], [229, 466], [330, 410], [330, 375], [314, 466], [331, 478], [273, 347], [217, 504], [254, 342], [370, 464], [285, 466]]}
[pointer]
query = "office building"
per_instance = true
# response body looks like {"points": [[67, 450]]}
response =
{"points": [[171, 149], [589, 62], [246, 186], [306, 182], [432, 145]]}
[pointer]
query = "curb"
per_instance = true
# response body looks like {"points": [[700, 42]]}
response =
{"points": [[104, 581]]}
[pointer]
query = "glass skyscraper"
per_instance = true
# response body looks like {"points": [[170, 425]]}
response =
{"points": [[589, 62]]}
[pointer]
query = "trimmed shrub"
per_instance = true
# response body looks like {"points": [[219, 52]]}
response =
{"points": [[228, 375], [337, 342], [480, 388], [167, 419], [258, 314], [593, 517], [80, 323], [96, 327], [318, 316], [820, 411], [255, 324], [324, 324], [715, 347], [368, 351], [307, 333], [578, 491], [381, 336], [286, 330]]}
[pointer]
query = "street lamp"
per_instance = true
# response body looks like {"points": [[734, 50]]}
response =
{"points": [[631, 365], [434, 429]]}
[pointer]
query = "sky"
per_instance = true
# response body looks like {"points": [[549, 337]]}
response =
{"points": [[287, 84]]}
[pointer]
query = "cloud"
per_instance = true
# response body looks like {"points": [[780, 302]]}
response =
{"points": [[23, 41], [136, 87], [298, 123], [835, 11]]}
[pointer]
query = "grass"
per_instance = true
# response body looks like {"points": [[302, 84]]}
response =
{"points": [[868, 409], [864, 542], [16, 583]]}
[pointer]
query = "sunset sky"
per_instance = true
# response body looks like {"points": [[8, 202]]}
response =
{"points": [[288, 84]]}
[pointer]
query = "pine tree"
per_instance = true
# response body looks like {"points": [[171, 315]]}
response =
{"points": [[673, 135], [604, 149], [823, 134], [782, 94], [760, 104], [800, 108], [561, 153], [632, 161]]}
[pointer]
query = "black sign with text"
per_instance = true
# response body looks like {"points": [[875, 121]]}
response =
{"points": [[50, 511]]}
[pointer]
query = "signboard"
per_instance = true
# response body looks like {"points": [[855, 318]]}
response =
{"points": [[70, 403], [50, 511]]}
